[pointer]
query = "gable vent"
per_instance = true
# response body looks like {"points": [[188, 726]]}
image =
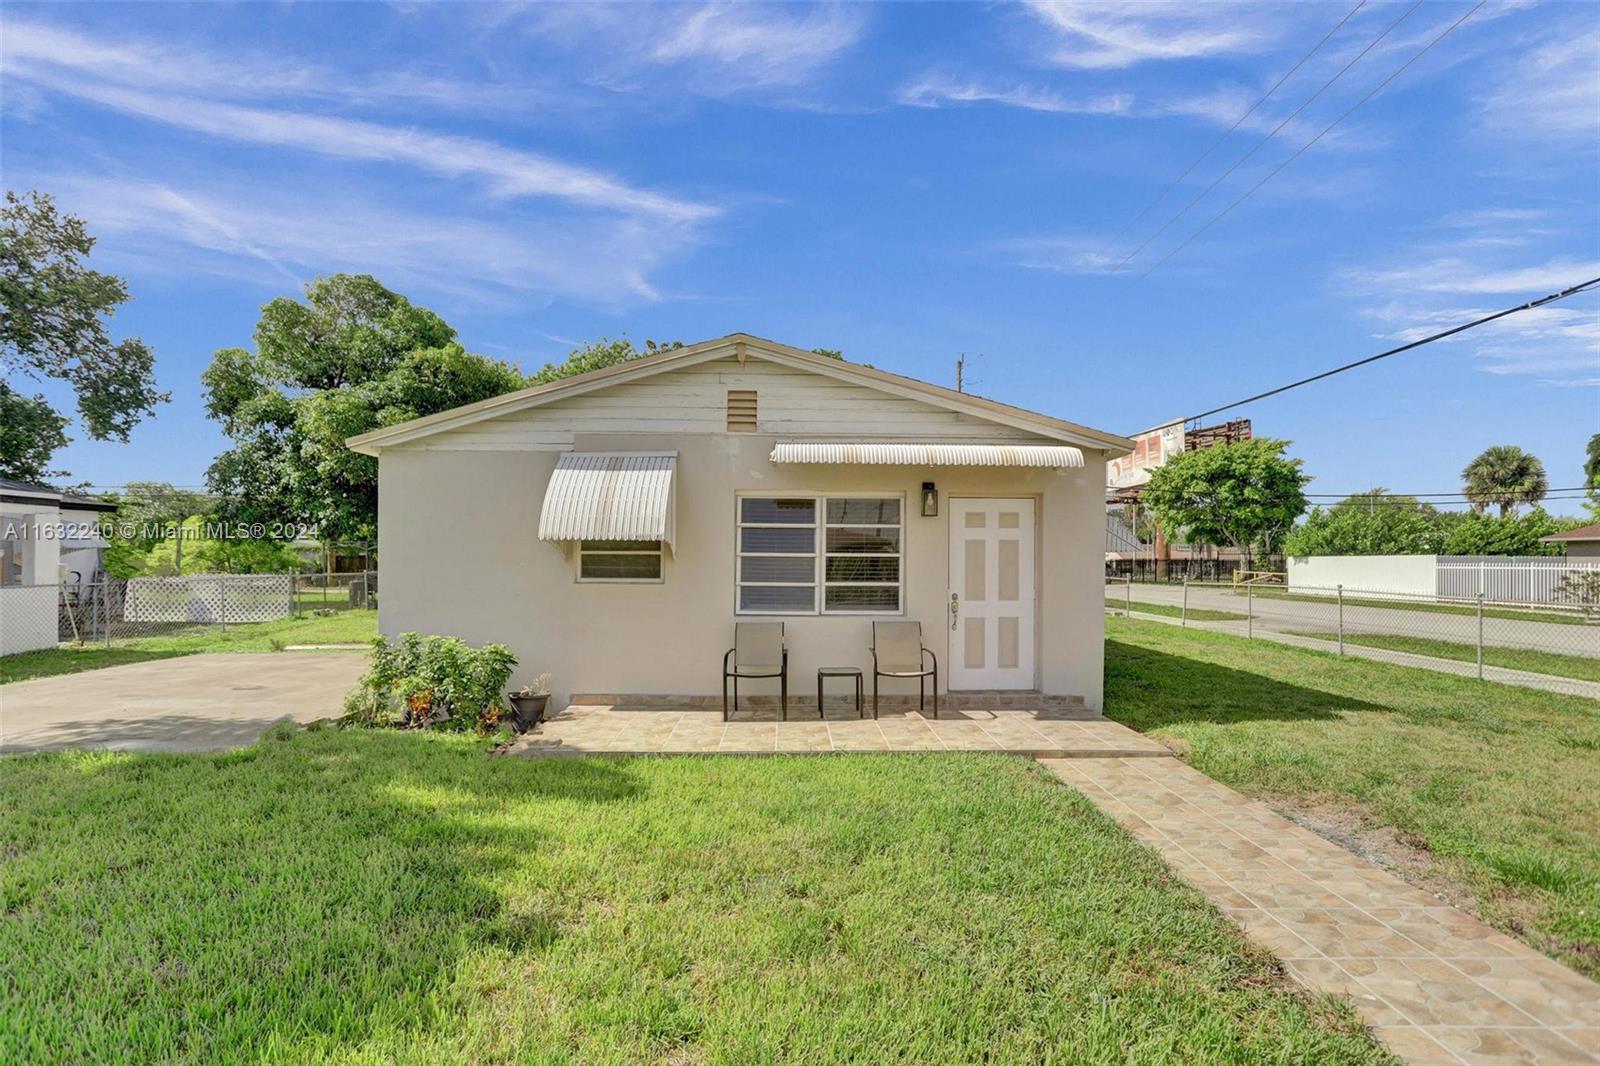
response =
{"points": [[741, 410]]}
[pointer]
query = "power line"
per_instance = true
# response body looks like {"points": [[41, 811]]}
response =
{"points": [[1237, 123], [1303, 148], [1257, 146], [1441, 335], [1381, 494]]}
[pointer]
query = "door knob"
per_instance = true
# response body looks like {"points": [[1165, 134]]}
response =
{"points": [[955, 608]]}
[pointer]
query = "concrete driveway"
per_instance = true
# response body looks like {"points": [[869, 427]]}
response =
{"points": [[208, 702]]}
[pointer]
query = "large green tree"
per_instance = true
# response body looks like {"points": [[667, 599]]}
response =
{"points": [[352, 357], [1376, 522], [54, 313], [1246, 495], [598, 355], [1503, 476]]}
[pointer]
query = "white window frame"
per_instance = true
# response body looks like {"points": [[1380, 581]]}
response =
{"points": [[819, 543], [659, 551]]}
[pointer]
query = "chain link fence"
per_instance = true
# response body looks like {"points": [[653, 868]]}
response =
{"points": [[114, 611], [1552, 645]]}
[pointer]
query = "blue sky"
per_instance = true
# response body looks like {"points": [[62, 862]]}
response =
{"points": [[903, 182]]}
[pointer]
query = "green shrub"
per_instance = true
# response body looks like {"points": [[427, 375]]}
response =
{"points": [[441, 682], [1484, 534]]}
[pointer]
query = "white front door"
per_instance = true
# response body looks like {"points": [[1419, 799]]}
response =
{"points": [[991, 606]]}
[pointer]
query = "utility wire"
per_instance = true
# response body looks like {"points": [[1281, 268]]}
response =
{"points": [[1572, 290], [1380, 494], [1325, 131], [1257, 146], [1153, 204]]}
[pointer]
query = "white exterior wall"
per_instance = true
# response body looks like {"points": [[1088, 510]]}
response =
{"points": [[29, 611], [458, 538], [1413, 574]]}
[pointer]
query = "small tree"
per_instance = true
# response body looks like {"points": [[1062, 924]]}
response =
{"points": [[1503, 476], [1246, 495]]}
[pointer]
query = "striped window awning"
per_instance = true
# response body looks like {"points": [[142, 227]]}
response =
{"points": [[933, 453], [610, 496]]}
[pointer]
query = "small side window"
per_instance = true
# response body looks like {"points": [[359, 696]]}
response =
{"points": [[619, 560]]}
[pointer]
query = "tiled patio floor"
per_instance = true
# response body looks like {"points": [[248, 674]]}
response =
{"points": [[589, 730], [1436, 984]]}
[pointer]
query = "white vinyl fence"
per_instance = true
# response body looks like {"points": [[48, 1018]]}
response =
{"points": [[1506, 579], [1518, 579]]}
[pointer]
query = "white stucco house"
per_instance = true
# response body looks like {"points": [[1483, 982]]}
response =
{"points": [[612, 527], [49, 540]]}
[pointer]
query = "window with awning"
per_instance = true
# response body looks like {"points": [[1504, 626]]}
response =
{"points": [[615, 497]]}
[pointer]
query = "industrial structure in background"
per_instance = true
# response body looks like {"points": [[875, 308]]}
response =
{"points": [[1135, 541]]}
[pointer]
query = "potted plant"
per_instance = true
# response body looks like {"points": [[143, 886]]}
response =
{"points": [[528, 703]]}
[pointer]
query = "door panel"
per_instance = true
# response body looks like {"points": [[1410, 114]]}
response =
{"points": [[991, 600]]}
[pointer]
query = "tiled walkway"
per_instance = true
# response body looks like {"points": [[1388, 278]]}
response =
{"points": [[1436, 984], [593, 730]]}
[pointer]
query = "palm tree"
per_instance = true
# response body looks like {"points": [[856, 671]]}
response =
{"points": [[1504, 475]]}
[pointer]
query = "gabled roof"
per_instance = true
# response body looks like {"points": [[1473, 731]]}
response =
{"points": [[12, 491], [736, 344], [1590, 532]]}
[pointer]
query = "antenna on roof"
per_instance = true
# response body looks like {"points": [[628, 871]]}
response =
{"points": [[961, 372]]}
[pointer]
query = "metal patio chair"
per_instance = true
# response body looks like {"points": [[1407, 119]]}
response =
{"points": [[898, 651], [758, 650]]}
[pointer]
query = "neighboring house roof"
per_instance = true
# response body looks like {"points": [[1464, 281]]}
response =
{"points": [[1589, 532], [741, 344], [12, 491]]}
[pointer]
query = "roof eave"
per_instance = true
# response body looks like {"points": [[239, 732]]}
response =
{"points": [[371, 442]]}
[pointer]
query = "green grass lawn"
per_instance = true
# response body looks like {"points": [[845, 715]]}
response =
{"points": [[379, 897], [1500, 784], [1541, 662], [1196, 614], [342, 628]]}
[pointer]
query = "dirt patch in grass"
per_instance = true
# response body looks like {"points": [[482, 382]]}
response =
{"points": [[1406, 855], [1402, 853]]}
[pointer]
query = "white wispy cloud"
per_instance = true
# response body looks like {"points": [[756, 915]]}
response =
{"points": [[709, 49], [1462, 275], [150, 65], [773, 47], [245, 232], [1093, 35], [934, 90], [518, 221], [1067, 254], [508, 172], [1468, 277], [1553, 89]]}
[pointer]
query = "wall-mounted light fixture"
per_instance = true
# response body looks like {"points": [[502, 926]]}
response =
{"points": [[930, 500]]}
